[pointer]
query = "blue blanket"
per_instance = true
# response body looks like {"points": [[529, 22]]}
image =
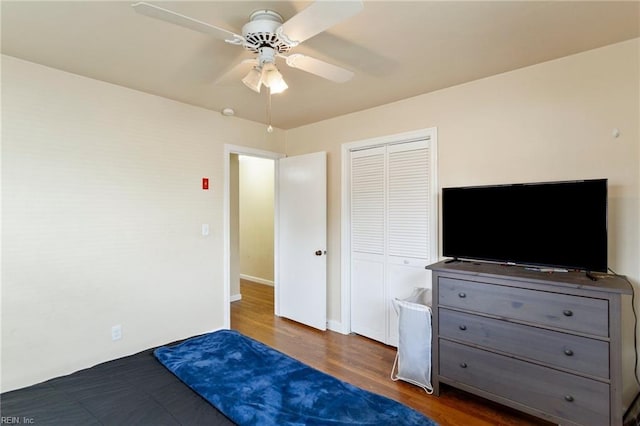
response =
{"points": [[253, 384]]}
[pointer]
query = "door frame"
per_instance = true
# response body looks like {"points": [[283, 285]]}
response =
{"points": [[230, 149], [431, 134]]}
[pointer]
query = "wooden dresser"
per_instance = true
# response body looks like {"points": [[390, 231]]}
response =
{"points": [[556, 345]]}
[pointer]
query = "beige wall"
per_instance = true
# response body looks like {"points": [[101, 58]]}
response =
{"points": [[256, 218], [102, 206], [551, 121], [101, 219]]}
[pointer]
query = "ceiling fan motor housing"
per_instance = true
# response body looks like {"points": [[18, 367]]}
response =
{"points": [[260, 32]]}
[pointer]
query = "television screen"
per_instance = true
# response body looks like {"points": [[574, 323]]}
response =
{"points": [[553, 224]]}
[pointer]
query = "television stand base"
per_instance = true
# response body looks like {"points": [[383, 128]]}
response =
{"points": [[590, 276]]}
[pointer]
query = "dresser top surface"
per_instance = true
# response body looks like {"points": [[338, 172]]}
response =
{"points": [[605, 282]]}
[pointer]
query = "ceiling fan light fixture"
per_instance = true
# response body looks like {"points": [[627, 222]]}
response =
{"points": [[253, 79], [272, 78], [278, 86]]}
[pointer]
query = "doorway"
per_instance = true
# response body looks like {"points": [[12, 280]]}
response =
{"points": [[299, 236], [252, 289], [246, 170], [255, 201]]}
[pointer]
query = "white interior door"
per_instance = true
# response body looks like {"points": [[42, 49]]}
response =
{"points": [[301, 266]]}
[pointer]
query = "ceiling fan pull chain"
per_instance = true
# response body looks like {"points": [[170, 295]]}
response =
{"points": [[270, 127]]}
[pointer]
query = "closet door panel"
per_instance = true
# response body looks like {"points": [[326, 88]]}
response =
{"points": [[408, 200], [368, 242], [368, 201], [408, 213], [367, 300]]}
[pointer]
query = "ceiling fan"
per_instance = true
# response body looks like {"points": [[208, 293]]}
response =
{"points": [[269, 37]]}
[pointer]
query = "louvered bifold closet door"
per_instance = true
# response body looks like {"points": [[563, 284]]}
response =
{"points": [[391, 232], [409, 202], [368, 242]]}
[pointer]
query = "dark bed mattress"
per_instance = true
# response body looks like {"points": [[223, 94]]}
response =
{"points": [[134, 390]]}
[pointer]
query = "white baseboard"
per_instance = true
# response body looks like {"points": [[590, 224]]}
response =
{"points": [[256, 280], [336, 326], [235, 297]]}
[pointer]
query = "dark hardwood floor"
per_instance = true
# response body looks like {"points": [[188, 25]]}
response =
{"points": [[362, 362]]}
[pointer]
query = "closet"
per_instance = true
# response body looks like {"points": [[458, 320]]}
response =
{"points": [[393, 231]]}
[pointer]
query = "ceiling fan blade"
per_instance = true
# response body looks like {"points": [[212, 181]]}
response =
{"points": [[318, 17], [158, 12], [319, 68]]}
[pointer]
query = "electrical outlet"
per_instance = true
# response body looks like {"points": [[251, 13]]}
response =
{"points": [[116, 332]]}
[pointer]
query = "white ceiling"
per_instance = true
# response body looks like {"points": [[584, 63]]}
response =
{"points": [[397, 49]]}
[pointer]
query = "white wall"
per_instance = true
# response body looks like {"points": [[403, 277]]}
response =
{"points": [[256, 218], [551, 121], [102, 212]]}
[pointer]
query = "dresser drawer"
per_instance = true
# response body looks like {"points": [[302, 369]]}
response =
{"points": [[573, 313], [580, 354], [551, 391]]}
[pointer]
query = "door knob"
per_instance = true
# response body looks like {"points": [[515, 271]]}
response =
{"points": [[318, 252]]}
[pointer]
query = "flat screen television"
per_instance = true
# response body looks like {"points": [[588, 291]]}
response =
{"points": [[544, 224]]}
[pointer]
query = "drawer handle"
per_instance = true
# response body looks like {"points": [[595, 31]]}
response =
{"points": [[463, 365], [567, 313], [568, 352], [568, 398], [462, 295], [462, 327]]}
